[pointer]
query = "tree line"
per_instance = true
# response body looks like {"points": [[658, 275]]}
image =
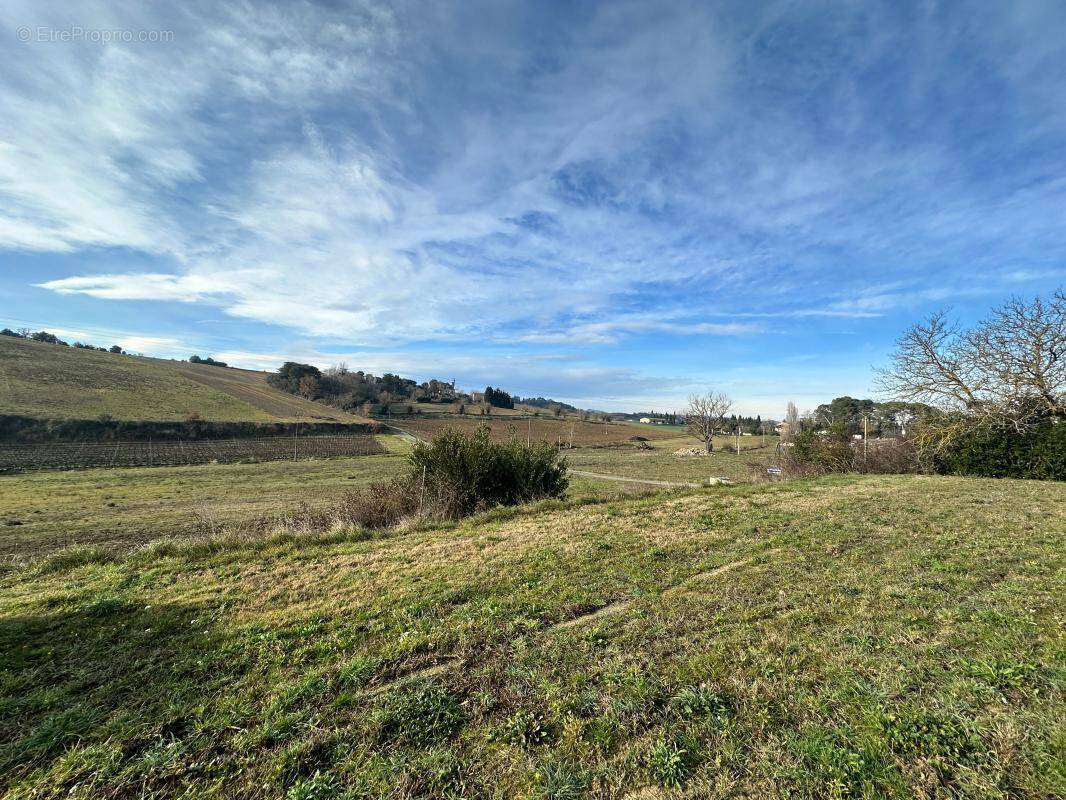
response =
{"points": [[51, 338], [985, 400], [362, 392]]}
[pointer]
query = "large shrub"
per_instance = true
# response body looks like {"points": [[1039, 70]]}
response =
{"points": [[1038, 451], [811, 454], [452, 477], [466, 472], [830, 452]]}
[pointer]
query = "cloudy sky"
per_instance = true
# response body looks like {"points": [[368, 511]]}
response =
{"points": [[615, 204]]}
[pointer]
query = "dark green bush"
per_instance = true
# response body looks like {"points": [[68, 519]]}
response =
{"points": [[1038, 452], [468, 472]]}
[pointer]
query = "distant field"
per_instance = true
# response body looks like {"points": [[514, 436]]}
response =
{"points": [[661, 464], [126, 507], [871, 637], [123, 508], [400, 409], [251, 387], [47, 380], [540, 429]]}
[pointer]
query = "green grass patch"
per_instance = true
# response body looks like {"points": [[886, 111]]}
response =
{"points": [[799, 640]]}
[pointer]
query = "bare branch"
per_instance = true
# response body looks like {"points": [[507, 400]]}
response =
{"points": [[1008, 369]]}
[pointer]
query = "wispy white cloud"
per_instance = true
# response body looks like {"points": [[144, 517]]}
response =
{"points": [[471, 174]]}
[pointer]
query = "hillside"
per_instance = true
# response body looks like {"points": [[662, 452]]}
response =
{"points": [[46, 380], [895, 636]]}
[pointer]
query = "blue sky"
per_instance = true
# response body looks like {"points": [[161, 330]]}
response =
{"points": [[615, 204]]}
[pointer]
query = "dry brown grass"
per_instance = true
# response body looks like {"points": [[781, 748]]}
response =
{"points": [[251, 387]]}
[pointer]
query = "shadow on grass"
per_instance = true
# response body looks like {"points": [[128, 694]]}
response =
{"points": [[100, 687]]}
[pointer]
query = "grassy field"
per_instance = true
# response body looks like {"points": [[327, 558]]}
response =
{"points": [[540, 429], [127, 507], [893, 636], [124, 508], [660, 463], [47, 380]]}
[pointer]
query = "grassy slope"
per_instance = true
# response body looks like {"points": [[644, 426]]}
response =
{"points": [[47, 380], [894, 636]]}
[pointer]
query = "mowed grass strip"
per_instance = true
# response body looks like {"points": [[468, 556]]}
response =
{"points": [[853, 636]]}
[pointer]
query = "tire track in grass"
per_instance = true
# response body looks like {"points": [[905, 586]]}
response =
{"points": [[446, 664], [624, 605]]}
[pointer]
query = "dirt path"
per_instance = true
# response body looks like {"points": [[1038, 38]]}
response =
{"points": [[684, 586], [405, 435]]}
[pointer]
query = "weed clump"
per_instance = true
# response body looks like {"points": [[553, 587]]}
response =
{"points": [[74, 557], [426, 714], [669, 763]]}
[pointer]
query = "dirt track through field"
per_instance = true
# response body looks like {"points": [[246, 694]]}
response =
{"points": [[610, 609]]}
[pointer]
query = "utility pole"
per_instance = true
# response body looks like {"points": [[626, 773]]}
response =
{"points": [[738, 440], [865, 446]]}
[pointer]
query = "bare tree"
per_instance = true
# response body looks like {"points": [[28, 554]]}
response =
{"points": [[706, 416], [902, 418], [1023, 348], [1008, 369], [792, 419]]}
